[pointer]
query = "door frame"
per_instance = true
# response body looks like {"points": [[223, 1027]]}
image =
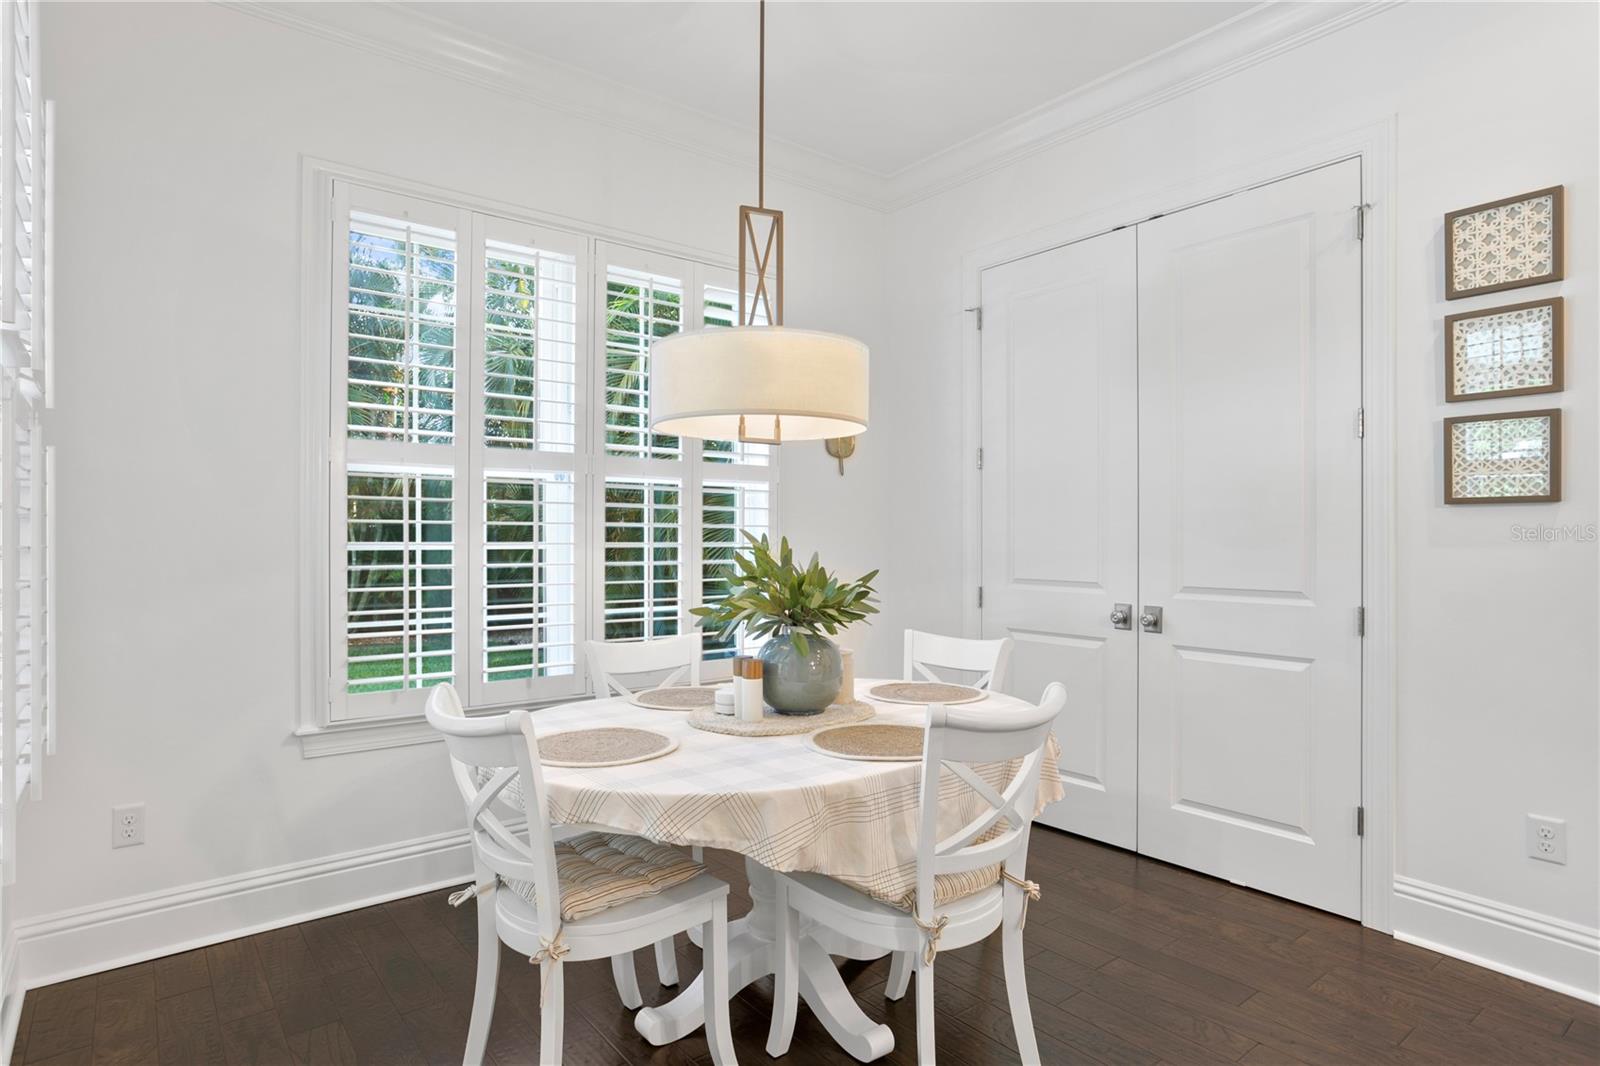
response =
{"points": [[1374, 146]]}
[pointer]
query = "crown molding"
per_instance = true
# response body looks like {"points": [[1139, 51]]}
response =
{"points": [[426, 42], [1252, 37]]}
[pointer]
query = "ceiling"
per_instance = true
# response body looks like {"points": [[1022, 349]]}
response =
{"points": [[879, 86]]}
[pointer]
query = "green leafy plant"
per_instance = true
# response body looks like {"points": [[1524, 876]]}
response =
{"points": [[770, 594]]}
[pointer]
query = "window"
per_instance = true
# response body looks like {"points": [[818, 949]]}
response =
{"points": [[498, 495]]}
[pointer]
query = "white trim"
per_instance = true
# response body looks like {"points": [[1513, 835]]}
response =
{"points": [[1373, 144], [67, 944], [1550, 952], [428, 42]]}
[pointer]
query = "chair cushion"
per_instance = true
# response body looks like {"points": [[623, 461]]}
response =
{"points": [[599, 871], [947, 888]]}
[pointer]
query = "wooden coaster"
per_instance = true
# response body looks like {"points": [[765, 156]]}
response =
{"points": [[611, 746], [871, 743], [676, 697], [925, 692], [773, 724]]}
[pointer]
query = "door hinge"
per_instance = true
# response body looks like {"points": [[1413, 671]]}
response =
{"points": [[978, 311], [1361, 422], [1361, 821], [1361, 621], [980, 458], [980, 595], [1361, 221]]}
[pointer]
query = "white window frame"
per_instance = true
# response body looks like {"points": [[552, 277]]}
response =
{"points": [[324, 722]]}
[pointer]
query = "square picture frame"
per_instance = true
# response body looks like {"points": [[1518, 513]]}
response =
{"points": [[1486, 455], [1505, 244], [1516, 348]]}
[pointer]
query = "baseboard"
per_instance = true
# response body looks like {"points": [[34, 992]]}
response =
{"points": [[1556, 954], [68, 944]]}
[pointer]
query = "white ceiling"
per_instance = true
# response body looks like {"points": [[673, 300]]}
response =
{"points": [[880, 86]]}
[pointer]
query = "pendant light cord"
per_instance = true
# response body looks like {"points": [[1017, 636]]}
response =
{"points": [[761, 113]]}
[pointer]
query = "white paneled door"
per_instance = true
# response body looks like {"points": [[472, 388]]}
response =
{"points": [[1170, 422], [1250, 538], [1060, 508]]}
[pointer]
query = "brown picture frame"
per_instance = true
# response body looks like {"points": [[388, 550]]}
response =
{"points": [[1554, 495], [1557, 244], [1557, 307]]}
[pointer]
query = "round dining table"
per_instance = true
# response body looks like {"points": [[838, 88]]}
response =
{"points": [[785, 806]]}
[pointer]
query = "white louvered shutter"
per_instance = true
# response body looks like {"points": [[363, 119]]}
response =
{"points": [[642, 554], [401, 446], [728, 510], [640, 306]]}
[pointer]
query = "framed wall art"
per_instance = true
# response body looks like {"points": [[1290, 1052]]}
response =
{"points": [[1505, 244], [1503, 351], [1513, 457]]}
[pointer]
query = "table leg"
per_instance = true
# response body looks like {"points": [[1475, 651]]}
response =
{"points": [[750, 957]]}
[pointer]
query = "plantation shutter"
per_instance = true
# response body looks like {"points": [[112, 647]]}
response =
{"points": [[640, 306], [25, 726], [401, 452], [642, 578], [728, 510], [526, 591]]}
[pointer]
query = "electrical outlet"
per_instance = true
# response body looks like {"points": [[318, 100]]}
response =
{"points": [[127, 825], [1547, 839]]}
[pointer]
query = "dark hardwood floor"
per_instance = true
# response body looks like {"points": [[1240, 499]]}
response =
{"points": [[1129, 961]]}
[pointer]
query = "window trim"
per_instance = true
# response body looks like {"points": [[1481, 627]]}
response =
{"points": [[318, 732]]}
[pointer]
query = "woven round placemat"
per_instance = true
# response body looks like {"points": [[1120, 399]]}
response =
{"points": [[873, 743], [925, 692], [782, 725], [611, 746], [676, 697]]}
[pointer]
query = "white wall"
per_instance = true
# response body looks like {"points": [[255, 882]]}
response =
{"points": [[181, 130], [1497, 690]]}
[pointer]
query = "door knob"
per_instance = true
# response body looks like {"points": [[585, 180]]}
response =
{"points": [[1122, 615], [1150, 620]]}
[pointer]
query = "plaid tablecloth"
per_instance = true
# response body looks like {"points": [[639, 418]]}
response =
{"points": [[772, 798]]}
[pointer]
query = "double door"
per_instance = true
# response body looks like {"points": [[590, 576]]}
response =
{"points": [[1171, 526]]}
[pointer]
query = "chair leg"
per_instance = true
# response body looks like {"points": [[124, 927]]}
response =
{"points": [[627, 980], [666, 961], [551, 1014], [924, 1012], [488, 975], [899, 975], [714, 968], [1016, 975], [786, 971]]}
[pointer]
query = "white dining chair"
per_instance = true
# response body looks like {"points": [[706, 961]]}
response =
{"points": [[620, 668], [616, 667], [591, 896], [970, 883], [990, 659]]}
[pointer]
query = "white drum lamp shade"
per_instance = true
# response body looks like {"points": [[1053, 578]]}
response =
{"points": [[784, 384]]}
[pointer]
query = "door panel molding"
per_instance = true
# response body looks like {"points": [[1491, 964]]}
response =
{"points": [[1374, 145]]}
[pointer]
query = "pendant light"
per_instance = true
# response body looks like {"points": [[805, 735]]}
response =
{"points": [[763, 384]]}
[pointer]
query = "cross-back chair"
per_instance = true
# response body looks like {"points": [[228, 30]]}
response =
{"points": [[989, 659], [552, 901], [969, 882], [616, 666]]}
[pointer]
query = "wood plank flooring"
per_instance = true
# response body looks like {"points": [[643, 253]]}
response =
{"points": [[1130, 961]]}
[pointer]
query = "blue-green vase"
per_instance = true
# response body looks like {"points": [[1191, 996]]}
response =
{"points": [[793, 683]]}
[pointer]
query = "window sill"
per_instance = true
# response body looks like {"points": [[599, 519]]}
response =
{"points": [[342, 738]]}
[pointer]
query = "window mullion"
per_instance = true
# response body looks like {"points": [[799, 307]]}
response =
{"points": [[472, 550]]}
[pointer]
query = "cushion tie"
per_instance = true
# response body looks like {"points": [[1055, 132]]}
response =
{"points": [[551, 951], [933, 931], [1030, 890], [460, 897]]}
